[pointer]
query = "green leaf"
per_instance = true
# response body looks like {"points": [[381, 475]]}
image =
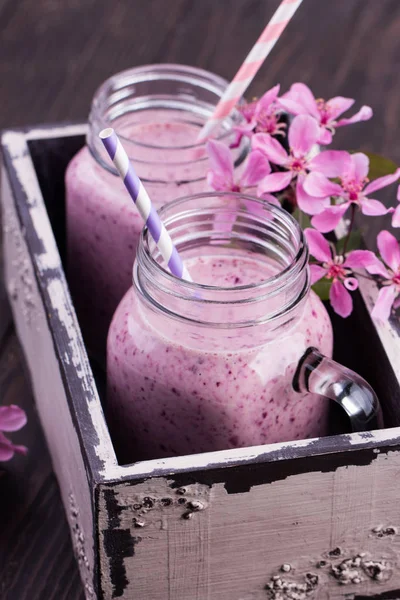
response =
{"points": [[303, 220], [379, 166], [354, 242], [322, 288]]}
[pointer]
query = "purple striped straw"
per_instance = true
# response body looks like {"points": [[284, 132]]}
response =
{"points": [[143, 203]]}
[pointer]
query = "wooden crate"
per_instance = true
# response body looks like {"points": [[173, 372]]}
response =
{"points": [[137, 530]]}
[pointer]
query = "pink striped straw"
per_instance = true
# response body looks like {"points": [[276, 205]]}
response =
{"points": [[251, 65], [143, 203]]}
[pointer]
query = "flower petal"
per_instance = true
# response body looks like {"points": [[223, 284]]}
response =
{"points": [[373, 208], [275, 182], [301, 93], [221, 160], [306, 203], [359, 166], [396, 217], [318, 245], [247, 109], [384, 303], [267, 99], [341, 301], [381, 182], [257, 167], [291, 106], [8, 449], [364, 114], [329, 218], [319, 186], [316, 272], [331, 163], [325, 136], [303, 134], [272, 149], [12, 418], [360, 259], [350, 283], [338, 105], [218, 182], [389, 249]]}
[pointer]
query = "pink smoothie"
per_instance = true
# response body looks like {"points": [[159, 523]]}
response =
{"points": [[103, 225], [167, 397]]}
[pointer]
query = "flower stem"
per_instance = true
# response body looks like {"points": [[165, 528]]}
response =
{"points": [[353, 214]]}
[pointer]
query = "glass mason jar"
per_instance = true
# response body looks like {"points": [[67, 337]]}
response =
{"points": [[233, 359], [158, 111]]}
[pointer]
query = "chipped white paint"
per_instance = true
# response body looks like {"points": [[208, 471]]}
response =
{"points": [[48, 260], [62, 306], [245, 538], [225, 458], [51, 401]]}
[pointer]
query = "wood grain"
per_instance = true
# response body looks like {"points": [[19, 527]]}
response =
{"points": [[54, 54]]}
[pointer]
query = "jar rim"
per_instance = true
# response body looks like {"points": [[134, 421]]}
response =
{"points": [[176, 70], [300, 257]]}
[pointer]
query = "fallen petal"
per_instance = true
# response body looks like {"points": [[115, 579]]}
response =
{"points": [[12, 418]]}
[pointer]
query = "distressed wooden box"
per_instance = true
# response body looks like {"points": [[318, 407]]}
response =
{"points": [[309, 505]]}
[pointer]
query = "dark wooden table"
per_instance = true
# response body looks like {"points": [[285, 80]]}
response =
{"points": [[53, 55]]}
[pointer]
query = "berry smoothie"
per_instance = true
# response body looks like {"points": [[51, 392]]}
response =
{"points": [[103, 225], [173, 394]]}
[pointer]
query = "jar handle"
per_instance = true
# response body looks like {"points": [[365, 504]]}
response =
{"points": [[321, 375]]}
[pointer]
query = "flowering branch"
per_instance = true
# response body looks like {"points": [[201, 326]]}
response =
{"points": [[287, 164]]}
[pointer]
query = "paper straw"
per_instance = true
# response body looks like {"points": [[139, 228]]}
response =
{"points": [[251, 65], [143, 203]]}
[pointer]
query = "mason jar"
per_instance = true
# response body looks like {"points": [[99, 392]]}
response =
{"points": [[158, 112], [240, 357]]}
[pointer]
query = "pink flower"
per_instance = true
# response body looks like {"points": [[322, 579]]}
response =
{"points": [[303, 134], [299, 100], [396, 211], [390, 251], [337, 268], [352, 188], [12, 418], [221, 176], [262, 116]]}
